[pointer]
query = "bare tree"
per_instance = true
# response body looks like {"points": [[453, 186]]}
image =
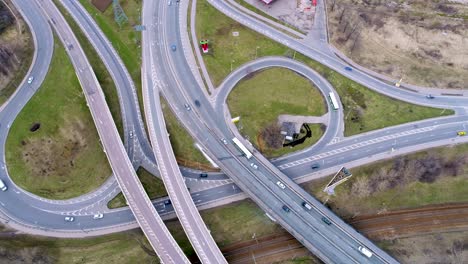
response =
{"points": [[271, 135]]}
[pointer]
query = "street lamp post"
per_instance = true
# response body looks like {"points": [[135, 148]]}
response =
{"points": [[232, 61], [256, 49]]}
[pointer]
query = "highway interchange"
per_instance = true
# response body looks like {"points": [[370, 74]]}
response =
{"points": [[333, 150]]}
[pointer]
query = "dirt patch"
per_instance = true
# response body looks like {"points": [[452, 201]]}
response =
{"points": [[423, 42], [101, 5], [55, 156]]}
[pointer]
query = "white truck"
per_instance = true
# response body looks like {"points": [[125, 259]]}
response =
{"points": [[365, 251]]}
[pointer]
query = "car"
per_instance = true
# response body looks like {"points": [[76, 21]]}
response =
{"points": [[69, 218], [348, 68], [430, 96], [173, 47], [286, 209], [169, 3], [187, 107], [253, 165], [167, 202], [306, 205], [326, 221], [30, 79], [365, 251], [98, 216], [131, 134], [197, 103], [461, 133], [203, 175], [281, 185], [3, 186], [224, 141], [315, 166]]}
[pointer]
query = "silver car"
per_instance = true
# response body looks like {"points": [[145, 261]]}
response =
{"points": [[69, 218], [281, 185]]}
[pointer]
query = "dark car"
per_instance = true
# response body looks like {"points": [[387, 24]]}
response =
{"points": [[326, 221], [167, 202], [197, 103], [286, 209], [203, 175], [173, 47], [315, 166], [430, 96], [348, 68]]}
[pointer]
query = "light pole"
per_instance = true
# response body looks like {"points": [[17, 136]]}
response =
{"points": [[232, 61], [256, 49]]}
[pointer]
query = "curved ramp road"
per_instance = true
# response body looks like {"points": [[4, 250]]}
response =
{"points": [[334, 63], [147, 217]]}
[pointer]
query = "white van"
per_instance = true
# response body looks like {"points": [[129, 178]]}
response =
{"points": [[3, 187], [365, 251]]}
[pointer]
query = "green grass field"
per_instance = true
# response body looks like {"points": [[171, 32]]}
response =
{"points": [[63, 158], [225, 48], [446, 189], [261, 98], [365, 110], [154, 187], [103, 76]]}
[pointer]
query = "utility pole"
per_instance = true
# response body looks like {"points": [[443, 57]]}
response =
{"points": [[232, 61]]}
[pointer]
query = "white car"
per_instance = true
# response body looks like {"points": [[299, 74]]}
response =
{"points": [[281, 185], [98, 216], [224, 141], [69, 218], [30, 79], [187, 107], [253, 165], [3, 186]]}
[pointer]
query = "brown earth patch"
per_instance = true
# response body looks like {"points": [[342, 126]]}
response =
{"points": [[55, 156], [423, 42]]}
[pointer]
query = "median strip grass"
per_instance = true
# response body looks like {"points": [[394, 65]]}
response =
{"points": [[182, 143], [365, 110], [261, 97], [154, 187], [53, 148]]}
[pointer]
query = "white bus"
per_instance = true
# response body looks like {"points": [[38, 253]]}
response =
{"points": [[333, 101], [242, 148]]}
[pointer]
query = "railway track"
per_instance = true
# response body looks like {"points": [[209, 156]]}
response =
{"points": [[393, 224]]}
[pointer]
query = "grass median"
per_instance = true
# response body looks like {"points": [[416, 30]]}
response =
{"points": [[365, 110], [53, 148], [263, 96], [182, 143]]}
